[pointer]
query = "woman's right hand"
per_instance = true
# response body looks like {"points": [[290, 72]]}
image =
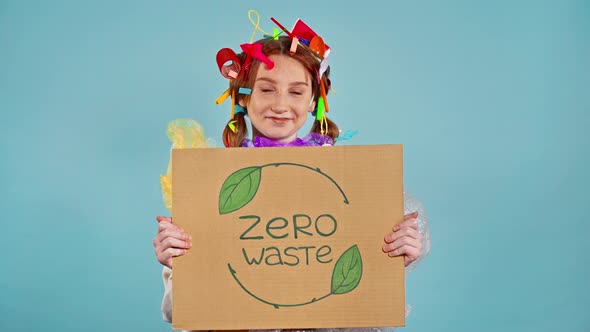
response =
{"points": [[171, 241]]}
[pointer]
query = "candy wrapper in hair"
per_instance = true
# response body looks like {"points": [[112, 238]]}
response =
{"points": [[184, 134]]}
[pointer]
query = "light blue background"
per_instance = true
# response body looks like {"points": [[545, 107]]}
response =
{"points": [[490, 100]]}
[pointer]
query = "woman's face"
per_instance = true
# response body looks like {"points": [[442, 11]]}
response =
{"points": [[280, 99]]}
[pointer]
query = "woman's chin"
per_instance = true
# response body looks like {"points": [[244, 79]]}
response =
{"points": [[280, 137]]}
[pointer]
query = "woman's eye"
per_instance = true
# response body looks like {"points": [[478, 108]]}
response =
{"points": [[266, 90], [298, 93]]}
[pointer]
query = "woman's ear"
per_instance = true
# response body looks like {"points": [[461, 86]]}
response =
{"points": [[242, 103], [311, 105]]}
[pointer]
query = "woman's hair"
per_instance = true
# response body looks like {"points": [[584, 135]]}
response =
{"points": [[270, 46]]}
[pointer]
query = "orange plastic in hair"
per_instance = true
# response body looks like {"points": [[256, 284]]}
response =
{"points": [[222, 97], [317, 45], [233, 103]]}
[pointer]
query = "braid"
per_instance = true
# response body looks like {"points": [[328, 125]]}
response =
{"points": [[333, 130], [234, 140]]}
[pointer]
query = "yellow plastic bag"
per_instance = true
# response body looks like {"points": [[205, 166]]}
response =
{"points": [[184, 134]]}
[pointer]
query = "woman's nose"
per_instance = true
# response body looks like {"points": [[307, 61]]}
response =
{"points": [[280, 103]]}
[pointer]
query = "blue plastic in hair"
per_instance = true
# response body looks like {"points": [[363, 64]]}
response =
{"points": [[245, 91], [240, 109]]}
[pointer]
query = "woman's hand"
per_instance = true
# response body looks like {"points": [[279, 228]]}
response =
{"points": [[405, 240], [171, 241]]}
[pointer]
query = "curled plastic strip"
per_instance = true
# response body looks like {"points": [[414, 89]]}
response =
{"points": [[224, 56], [256, 24]]}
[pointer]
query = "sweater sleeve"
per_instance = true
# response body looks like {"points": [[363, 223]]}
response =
{"points": [[167, 298]]}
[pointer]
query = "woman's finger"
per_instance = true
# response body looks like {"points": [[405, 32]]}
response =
{"points": [[164, 225], [412, 256], [170, 237], [407, 223], [165, 257], [410, 253], [412, 215], [171, 242], [406, 231], [393, 248], [176, 233], [163, 218]]}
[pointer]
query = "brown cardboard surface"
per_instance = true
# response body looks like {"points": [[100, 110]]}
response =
{"points": [[315, 219]]}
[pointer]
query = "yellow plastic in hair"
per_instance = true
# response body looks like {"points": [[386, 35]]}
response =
{"points": [[232, 125], [222, 97]]}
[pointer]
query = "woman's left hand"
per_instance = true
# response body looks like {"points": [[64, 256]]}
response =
{"points": [[405, 240]]}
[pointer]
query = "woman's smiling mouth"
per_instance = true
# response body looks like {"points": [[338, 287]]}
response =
{"points": [[278, 120]]}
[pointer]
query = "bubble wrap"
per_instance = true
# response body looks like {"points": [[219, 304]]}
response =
{"points": [[411, 204]]}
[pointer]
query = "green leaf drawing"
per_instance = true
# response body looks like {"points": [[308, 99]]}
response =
{"points": [[239, 189], [345, 277], [347, 271]]}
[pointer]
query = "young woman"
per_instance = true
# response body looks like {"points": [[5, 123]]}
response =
{"points": [[282, 88]]}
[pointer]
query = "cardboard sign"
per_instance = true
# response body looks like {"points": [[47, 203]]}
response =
{"points": [[288, 237]]}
